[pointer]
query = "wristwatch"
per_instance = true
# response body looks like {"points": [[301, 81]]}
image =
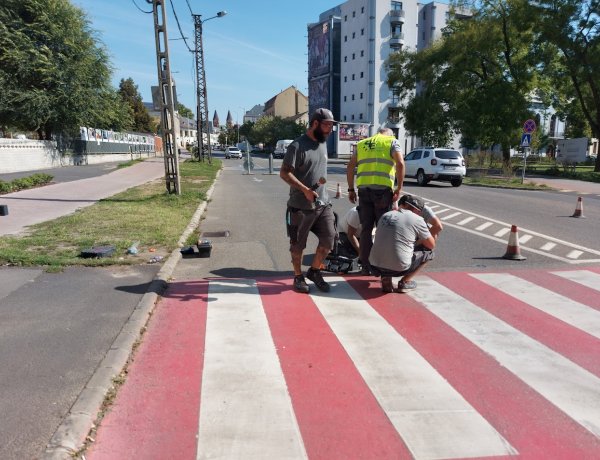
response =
{"points": [[351, 190]]}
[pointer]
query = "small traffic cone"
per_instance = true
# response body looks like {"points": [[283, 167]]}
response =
{"points": [[579, 208], [338, 193], [512, 251]]}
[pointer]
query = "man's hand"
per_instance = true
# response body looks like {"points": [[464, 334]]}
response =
{"points": [[352, 196]]}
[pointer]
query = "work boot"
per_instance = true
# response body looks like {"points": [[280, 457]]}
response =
{"points": [[316, 277], [300, 284]]}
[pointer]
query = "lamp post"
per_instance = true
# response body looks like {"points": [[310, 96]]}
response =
{"points": [[201, 96]]}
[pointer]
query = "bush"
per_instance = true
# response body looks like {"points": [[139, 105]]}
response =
{"points": [[24, 183]]}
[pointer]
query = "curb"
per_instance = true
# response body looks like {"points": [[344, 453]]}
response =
{"points": [[71, 434]]}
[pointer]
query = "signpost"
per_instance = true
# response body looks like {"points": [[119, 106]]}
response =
{"points": [[528, 128]]}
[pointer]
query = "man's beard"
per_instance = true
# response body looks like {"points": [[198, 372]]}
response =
{"points": [[320, 136]]}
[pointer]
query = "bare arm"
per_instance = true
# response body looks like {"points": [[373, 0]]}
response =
{"points": [[350, 178], [428, 242], [436, 226], [287, 174], [352, 236], [399, 160]]}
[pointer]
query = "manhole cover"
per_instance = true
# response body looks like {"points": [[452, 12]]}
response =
{"points": [[224, 233]]}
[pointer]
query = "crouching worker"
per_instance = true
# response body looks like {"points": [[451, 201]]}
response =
{"points": [[403, 245]]}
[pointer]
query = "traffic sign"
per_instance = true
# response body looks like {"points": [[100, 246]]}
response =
{"points": [[529, 126], [526, 140]]}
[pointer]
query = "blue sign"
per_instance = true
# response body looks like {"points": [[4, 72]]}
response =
{"points": [[526, 140]]}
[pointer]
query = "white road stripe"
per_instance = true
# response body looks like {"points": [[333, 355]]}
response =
{"points": [[563, 308], [524, 239], [548, 246], [502, 232], [450, 216], [432, 418], [244, 413], [569, 387], [584, 277], [574, 254], [484, 226], [466, 221]]}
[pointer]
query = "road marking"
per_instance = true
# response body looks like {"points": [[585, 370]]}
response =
{"points": [[563, 308], [424, 402], [548, 246], [466, 221], [484, 226], [566, 385], [524, 239], [239, 406], [575, 254], [452, 215], [502, 231], [586, 278]]}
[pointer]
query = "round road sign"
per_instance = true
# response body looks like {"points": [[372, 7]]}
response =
{"points": [[529, 126]]}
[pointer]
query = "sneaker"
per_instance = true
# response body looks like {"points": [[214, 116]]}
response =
{"points": [[365, 271], [406, 286], [300, 285], [316, 277], [386, 284]]}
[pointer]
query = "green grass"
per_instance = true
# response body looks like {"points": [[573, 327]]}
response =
{"points": [[147, 214], [502, 182]]}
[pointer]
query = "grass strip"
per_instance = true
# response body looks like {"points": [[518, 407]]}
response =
{"points": [[147, 213]]}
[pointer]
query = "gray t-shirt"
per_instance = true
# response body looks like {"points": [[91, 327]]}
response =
{"points": [[309, 160], [397, 233]]}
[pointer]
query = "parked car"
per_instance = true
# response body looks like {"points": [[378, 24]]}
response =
{"points": [[281, 148], [233, 152], [430, 163]]}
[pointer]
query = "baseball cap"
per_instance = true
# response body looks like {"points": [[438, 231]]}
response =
{"points": [[414, 201], [322, 114]]}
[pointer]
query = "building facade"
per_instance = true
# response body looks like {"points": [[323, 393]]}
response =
{"points": [[348, 49], [289, 103]]}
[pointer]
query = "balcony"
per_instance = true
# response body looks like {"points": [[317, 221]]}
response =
{"points": [[397, 17], [397, 40]]}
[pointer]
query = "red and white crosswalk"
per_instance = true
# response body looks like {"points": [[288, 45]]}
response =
{"points": [[470, 365]]}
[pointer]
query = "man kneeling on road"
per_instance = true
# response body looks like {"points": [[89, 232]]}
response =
{"points": [[403, 245]]}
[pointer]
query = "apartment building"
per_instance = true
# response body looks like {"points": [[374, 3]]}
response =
{"points": [[348, 48]]}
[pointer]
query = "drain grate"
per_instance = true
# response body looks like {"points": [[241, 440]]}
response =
{"points": [[224, 233]]}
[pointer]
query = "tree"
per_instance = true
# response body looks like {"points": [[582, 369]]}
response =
{"points": [[53, 74], [476, 81], [142, 121], [184, 111], [270, 129], [570, 32]]}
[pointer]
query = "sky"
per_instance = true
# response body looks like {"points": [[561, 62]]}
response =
{"points": [[254, 52]]}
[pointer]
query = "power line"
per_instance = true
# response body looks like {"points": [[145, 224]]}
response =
{"points": [[188, 4], [136, 5], [179, 27]]}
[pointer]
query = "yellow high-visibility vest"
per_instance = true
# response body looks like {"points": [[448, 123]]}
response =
{"points": [[375, 165]]}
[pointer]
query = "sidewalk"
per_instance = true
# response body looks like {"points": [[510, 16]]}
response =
{"points": [[566, 185], [33, 206]]}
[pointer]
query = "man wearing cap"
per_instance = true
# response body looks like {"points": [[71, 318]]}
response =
{"points": [[403, 245], [431, 219], [379, 163], [304, 169]]}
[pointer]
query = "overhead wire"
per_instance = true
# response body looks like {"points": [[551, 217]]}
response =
{"points": [[136, 5], [179, 27]]}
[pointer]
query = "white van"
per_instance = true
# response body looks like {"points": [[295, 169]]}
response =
{"points": [[281, 148]]}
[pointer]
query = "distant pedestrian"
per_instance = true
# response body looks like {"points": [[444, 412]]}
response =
{"points": [[304, 168], [380, 164], [402, 246]]}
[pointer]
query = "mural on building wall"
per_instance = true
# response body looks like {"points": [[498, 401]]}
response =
{"points": [[318, 93], [318, 50], [104, 135]]}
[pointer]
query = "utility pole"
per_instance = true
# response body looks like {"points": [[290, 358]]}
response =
{"points": [[167, 104], [204, 149]]}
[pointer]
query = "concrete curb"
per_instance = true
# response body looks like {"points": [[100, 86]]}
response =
{"points": [[71, 434]]}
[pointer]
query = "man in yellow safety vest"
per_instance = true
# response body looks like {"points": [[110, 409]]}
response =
{"points": [[379, 167]]}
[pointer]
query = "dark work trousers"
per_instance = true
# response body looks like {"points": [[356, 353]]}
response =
{"points": [[372, 204]]}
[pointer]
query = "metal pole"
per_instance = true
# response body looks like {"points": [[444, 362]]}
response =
{"points": [[204, 148], [167, 105]]}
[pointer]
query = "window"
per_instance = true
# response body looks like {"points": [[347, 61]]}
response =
{"points": [[345, 58], [353, 56], [361, 95], [353, 34], [344, 98], [353, 97], [353, 77], [345, 78], [361, 116], [362, 10], [345, 38], [362, 31], [345, 18], [353, 116], [397, 6], [397, 31], [344, 117], [362, 53], [362, 74]]}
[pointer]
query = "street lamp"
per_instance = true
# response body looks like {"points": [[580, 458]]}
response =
{"points": [[238, 124], [201, 96]]}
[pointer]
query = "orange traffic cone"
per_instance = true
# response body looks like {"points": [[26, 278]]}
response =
{"points": [[512, 251], [579, 208], [338, 193]]}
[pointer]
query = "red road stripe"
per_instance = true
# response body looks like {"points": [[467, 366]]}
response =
{"points": [[563, 286], [535, 427], [574, 344], [338, 416], [155, 415]]}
